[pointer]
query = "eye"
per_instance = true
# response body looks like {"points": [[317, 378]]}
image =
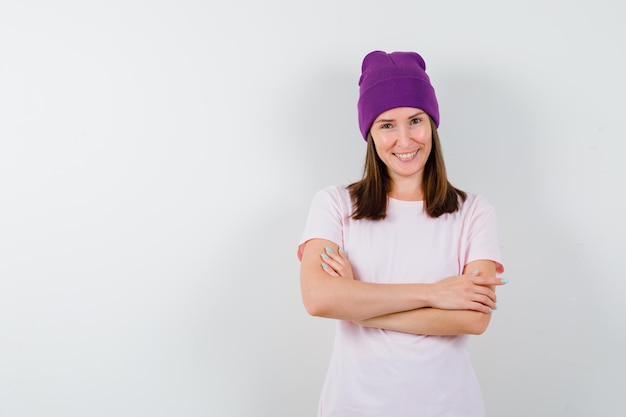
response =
{"points": [[416, 120], [385, 126]]}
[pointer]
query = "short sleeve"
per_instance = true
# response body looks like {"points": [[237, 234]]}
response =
{"points": [[481, 234], [325, 219]]}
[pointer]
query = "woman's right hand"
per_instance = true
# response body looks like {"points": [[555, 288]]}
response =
{"points": [[469, 291], [336, 264]]}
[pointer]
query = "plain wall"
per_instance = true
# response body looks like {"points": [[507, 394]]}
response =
{"points": [[158, 158]]}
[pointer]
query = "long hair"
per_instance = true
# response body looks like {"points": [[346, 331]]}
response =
{"points": [[370, 194]]}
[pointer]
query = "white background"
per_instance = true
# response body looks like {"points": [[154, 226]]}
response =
{"points": [[157, 161]]}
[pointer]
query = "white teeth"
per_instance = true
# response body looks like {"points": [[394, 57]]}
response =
{"points": [[405, 156]]}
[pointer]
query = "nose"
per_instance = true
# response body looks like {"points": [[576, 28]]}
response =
{"points": [[404, 135]]}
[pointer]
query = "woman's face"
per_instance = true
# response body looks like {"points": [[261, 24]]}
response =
{"points": [[403, 140]]}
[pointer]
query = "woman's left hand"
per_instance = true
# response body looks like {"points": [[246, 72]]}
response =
{"points": [[336, 264]]}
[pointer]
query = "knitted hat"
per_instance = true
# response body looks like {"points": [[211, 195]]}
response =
{"points": [[393, 80]]}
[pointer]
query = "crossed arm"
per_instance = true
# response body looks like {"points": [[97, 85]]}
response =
{"points": [[455, 305]]}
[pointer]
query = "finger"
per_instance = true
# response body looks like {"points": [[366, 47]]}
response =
{"points": [[486, 292], [339, 268], [334, 259], [486, 301], [478, 280], [329, 250], [337, 255], [481, 308], [330, 271], [491, 281], [330, 259]]}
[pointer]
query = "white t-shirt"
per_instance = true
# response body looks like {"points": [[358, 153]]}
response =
{"points": [[382, 373]]}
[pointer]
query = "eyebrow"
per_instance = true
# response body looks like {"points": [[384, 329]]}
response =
{"points": [[419, 113]]}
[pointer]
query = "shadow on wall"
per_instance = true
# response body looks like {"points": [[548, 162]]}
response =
{"points": [[267, 356], [503, 145], [288, 352], [264, 361], [326, 126]]}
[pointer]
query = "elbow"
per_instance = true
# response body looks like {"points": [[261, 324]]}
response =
{"points": [[318, 296], [473, 323], [479, 326], [314, 304], [313, 310], [317, 309], [320, 301], [325, 297], [310, 306], [478, 330]]}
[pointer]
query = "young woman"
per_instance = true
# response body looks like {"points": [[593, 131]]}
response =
{"points": [[406, 262]]}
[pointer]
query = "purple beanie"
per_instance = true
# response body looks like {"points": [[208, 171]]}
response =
{"points": [[393, 80]]}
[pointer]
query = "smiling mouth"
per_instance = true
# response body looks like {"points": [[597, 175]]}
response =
{"points": [[405, 156]]}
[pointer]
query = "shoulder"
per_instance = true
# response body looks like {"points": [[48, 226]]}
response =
{"points": [[336, 191], [476, 202], [337, 195], [477, 211]]}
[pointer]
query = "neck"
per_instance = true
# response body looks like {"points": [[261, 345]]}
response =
{"points": [[407, 190]]}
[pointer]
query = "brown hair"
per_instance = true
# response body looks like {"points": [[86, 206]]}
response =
{"points": [[370, 194]]}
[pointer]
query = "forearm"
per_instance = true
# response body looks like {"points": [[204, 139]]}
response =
{"points": [[343, 297], [330, 290], [355, 300], [432, 322], [439, 322]]}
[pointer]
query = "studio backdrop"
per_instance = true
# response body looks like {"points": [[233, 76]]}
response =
{"points": [[158, 159]]}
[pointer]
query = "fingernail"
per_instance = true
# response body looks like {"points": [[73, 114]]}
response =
{"points": [[329, 250], [341, 249], [475, 272], [325, 266], [490, 311], [324, 256], [504, 281]]}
